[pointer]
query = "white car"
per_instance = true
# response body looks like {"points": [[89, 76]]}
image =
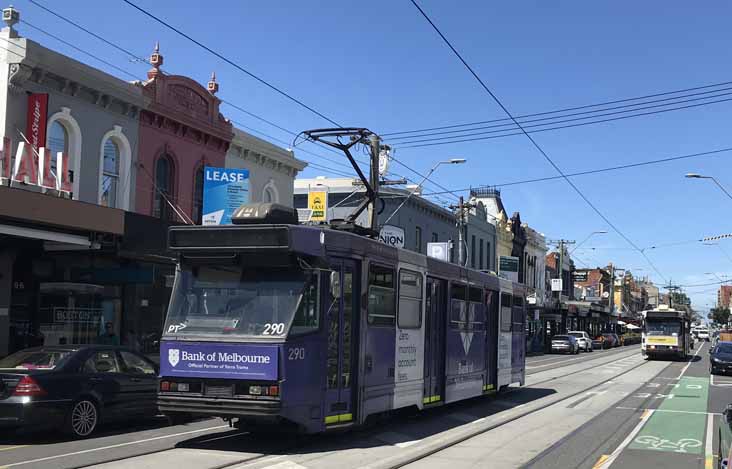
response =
{"points": [[703, 334], [585, 342]]}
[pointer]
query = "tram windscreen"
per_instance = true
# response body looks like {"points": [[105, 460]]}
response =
{"points": [[234, 300], [661, 327]]}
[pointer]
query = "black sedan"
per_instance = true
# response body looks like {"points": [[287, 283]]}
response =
{"points": [[75, 387], [720, 358]]}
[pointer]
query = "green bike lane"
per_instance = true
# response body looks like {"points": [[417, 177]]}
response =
{"points": [[673, 418]]}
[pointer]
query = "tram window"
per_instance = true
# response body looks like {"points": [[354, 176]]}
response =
{"points": [[458, 292], [475, 294], [506, 303], [381, 306], [518, 301], [458, 306], [307, 318], [410, 300]]}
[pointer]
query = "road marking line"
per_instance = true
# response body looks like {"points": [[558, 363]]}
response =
{"points": [[13, 447], [711, 381], [91, 450], [690, 361], [258, 461], [708, 449], [600, 461], [286, 465], [668, 410], [614, 455]]}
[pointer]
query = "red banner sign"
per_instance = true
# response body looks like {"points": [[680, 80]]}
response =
{"points": [[35, 130]]}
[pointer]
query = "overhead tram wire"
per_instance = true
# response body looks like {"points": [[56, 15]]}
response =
{"points": [[561, 120], [599, 170], [446, 141], [556, 111], [535, 144]]}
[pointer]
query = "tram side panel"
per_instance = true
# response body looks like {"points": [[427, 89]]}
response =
{"points": [[518, 341], [409, 346], [379, 340], [505, 339], [465, 348]]}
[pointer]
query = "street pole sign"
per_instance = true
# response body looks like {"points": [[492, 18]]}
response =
{"points": [[508, 267], [557, 284], [318, 203]]}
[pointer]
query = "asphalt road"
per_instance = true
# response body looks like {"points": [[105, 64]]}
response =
{"points": [[210, 443], [669, 421]]}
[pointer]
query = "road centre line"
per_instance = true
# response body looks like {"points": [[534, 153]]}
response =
{"points": [[120, 445], [606, 462], [708, 449]]}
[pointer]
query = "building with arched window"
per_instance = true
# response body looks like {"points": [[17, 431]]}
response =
{"points": [[181, 130]]}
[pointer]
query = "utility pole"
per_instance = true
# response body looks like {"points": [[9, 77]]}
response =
{"points": [[612, 288], [461, 207], [374, 180]]}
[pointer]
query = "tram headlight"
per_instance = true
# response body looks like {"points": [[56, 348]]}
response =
{"points": [[255, 390], [652, 347]]}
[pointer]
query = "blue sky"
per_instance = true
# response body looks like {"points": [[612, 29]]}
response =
{"points": [[381, 66]]}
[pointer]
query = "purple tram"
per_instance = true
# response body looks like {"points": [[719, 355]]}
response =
{"points": [[317, 329]]}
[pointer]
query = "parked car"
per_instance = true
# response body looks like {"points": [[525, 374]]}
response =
{"points": [[724, 437], [720, 358], [600, 342], [612, 338], [585, 342], [75, 387], [565, 343]]}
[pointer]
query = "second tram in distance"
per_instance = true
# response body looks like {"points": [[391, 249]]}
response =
{"points": [[318, 329]]}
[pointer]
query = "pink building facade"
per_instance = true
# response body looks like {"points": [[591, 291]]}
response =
{"points": [[181, 131]]}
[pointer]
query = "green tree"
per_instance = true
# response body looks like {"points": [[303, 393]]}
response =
{"points": [[719, 315]]}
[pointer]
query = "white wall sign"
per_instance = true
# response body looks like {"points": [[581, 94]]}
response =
{"points": [[557, 284], [392, 235], [439, 251]]}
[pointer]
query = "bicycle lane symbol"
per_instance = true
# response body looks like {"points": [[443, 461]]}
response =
{"points": [[670, 428]]}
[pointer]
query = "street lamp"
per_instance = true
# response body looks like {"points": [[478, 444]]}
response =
{"points": [[416, 188], [588, 237], [699, 176]]}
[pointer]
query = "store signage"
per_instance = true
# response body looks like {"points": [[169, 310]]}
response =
{"points": [[508, 267], [224, 191], [392, 235], [580, 276], [77, 315], [439, 251], [239, 361], [33, 166], [35, 129], [318, 203]]}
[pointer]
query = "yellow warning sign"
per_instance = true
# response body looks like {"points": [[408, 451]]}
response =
{"points": [[318, 203]]}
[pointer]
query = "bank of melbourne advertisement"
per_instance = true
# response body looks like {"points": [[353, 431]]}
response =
{"points": [[206, 360], [224, 191]]}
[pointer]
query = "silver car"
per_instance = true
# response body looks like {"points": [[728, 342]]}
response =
{"points": [[585, 342], [565, 344]]}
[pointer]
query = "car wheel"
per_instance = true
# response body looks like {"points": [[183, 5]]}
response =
{"points": [[82, 419]]}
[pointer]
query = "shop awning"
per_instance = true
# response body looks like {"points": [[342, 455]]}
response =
{"points": [[45, 235]]}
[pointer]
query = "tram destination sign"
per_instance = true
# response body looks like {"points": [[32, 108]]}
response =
{"points": [[232, 361]]}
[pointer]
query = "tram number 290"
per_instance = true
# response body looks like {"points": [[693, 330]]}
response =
{"points": [[296, 353], [274, 329]]}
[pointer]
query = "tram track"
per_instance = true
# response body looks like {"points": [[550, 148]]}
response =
{"points": [[420, 454], [255, 459]]}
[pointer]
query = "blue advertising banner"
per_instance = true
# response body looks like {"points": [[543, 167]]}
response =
{"points": [[207, 360], [224, 191]]}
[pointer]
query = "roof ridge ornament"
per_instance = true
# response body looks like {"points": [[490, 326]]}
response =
{"points": [[213, 86], [156, 60]]}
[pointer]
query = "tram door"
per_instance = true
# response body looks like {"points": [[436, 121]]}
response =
{"points": [[491, 303], [342, 306], [434, 343]]}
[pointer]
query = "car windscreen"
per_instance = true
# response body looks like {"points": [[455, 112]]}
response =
{"points": [[576, 334], [235, 300], [35, 359], [723, 348], [560, 337], [662, 327]]}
